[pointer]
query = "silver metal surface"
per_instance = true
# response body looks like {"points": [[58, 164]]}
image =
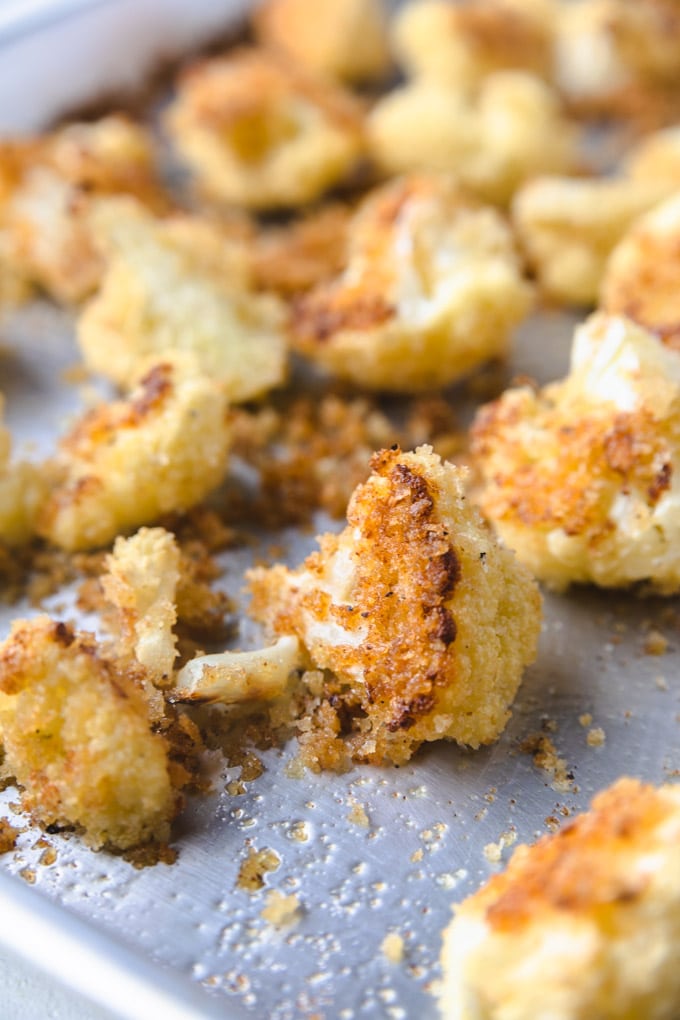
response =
{"points": [[370, 853]]}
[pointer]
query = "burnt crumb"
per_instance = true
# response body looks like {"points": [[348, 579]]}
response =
{"points": [[408, 714], [444, 626], [64, 634]]}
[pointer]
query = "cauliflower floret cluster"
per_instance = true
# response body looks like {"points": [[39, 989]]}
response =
{"points": [[568, 227], [584, 924], [432, 289], [178, 285], [343, 39], [582, 478], [23, 487], [258, 132], [127, 462], [642, 274], [77, 736], [492, 139], [47, 187], [460, 44], [424, 621]]}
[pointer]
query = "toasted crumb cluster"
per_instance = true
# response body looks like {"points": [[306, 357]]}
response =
{"points": [[179, 285], [47, 187], [258, 132], [431, 290], [584, 924], [23, 487], [424, 621], [581, 478], [492, 139], [343, 39], [641, 277], [77, 737], [460, 44], [126, 462]]}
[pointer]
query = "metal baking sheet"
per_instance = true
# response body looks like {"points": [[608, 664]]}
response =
{"points": [[375, 852]]}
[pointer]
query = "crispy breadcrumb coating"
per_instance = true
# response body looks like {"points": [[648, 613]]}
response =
{"points": [[431, 290], [461, 43], [258, 132], [78, 738], [23, 487], [47, 186], [642, 274], [127, 462], [492, 139], [425, 622], [584, 924], [178, 285], [582, 478], [567, 228], [342, 39]]}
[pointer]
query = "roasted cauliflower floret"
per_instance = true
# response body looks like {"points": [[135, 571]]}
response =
{"points": [[642, 274], [492, 139], [584, 924], [582, 479], [178, 285], [460, 44], [432, 288], [46, 195], [76, 732], [343, 39], [23, 487], [424, 621], [126, 462], [234, 678], [567, 228], [259, 133], [142, 574]]}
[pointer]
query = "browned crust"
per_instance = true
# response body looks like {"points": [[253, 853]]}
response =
{"points": [[579, 869]]}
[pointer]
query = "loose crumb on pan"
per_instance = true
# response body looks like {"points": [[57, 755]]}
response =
{"points": [[280, 910], [257, 864], [392, 947], [8, 836]]}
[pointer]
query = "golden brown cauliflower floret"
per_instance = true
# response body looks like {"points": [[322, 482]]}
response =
{"points": [[431, 290], [179, 285], [46, 195], [76, 731], [584, 924], [425, 622], [259, 133], [642, 274], [461, 43], [567, 228], [127, 462], [23, 487], [343, 39], [142, 574], [492, 139], [582, 479]]}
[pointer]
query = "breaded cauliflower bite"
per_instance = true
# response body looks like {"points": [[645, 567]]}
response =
{"points": [[492, 139], [568, 227], [424, 621], [178, 285], [343, 39], [584, 924], [47, 187], [77, 737], [127, 462], [142, 574], [260, 133], [23, 487], [642, 275], [460, 44], [582, 478], [432, 289]]}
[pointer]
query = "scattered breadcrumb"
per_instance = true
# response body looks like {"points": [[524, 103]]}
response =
{"points": [[358, 815], [281, 911], [585, 719], [392, 947], [257, 864], [596, 737], [656, 643], [8, 836]]}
